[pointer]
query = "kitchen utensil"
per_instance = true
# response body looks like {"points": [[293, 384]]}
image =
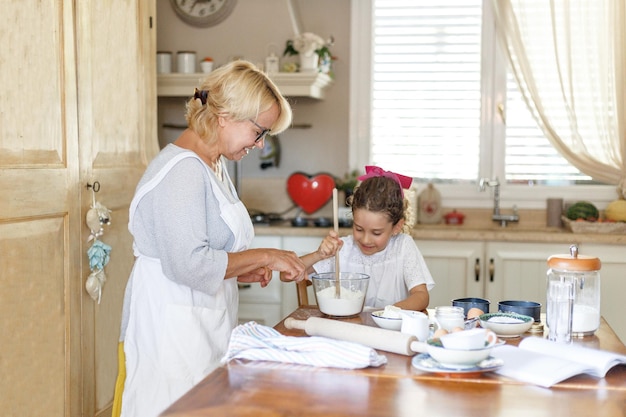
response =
{"points": [[389, 323], [186, 62], [449, 318], [381, 339], [457, 358], [584, 272], [336, 227], [506, 324], [310, 192], [469, 339], [415, 323], [560, 299], [425, 362], [527, 308], [471, 302], [454, 217], [353, 287], [271, 152]]}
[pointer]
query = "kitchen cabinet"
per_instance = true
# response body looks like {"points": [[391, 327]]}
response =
{"points": [[612, 284], [455, 267], [517, 271], [301, 245], [262, 305], [496, 271], [271, 304], [296, 84]]}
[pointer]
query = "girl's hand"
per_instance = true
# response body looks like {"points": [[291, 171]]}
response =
{"points": [[260, 275], [330, 245]]}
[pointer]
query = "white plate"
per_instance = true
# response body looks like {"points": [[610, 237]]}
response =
{"points": [[386, 322], [520, 325], [424, 362]]}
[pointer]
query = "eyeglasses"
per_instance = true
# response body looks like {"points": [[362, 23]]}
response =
{"points": [[263, 133]]}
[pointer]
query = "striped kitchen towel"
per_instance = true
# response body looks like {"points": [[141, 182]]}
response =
{"points": [[253, 341]]}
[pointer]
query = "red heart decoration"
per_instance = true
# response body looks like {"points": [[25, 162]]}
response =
{"points": [[310, 192]]}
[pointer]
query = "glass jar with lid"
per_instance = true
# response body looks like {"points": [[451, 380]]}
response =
{"points": [[584, 272]]}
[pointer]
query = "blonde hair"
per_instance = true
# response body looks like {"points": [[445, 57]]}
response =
{"points": [[240, 91]]}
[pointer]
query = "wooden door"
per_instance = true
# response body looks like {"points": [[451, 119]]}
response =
{"points": [[77, 106]]}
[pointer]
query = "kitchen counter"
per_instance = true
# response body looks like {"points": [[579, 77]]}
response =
{"points": [[243, 388], [492, 233]]}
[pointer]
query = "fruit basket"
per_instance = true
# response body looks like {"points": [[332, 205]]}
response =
{"points": [[615, 228]]}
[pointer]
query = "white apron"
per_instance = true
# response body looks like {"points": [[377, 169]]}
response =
{"points": [[175, 335]]}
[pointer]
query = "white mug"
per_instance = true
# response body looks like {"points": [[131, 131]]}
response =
{"points": [[469, 339], [415, 323]]}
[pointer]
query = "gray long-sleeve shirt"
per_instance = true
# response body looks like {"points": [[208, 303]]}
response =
{"points": [[179, 223]]}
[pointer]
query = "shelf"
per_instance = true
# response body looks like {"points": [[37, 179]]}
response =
{"points": [[290, 84]]}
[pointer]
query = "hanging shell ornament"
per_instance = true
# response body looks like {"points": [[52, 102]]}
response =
{"points": [[97, 216], [94, 284], [99, 252]]}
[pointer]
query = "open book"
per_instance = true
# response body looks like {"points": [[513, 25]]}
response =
{"points": [[542, 362]]}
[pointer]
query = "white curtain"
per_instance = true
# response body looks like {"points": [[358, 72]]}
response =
{"points": [[569, 58]]}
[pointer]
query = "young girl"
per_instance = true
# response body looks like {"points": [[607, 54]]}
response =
{"points": [[378, 247]]}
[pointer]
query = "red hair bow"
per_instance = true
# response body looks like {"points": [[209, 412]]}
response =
{"points": [[374, 171]]}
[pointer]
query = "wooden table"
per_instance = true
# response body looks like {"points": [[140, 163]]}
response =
{"points": [[263, 389]]}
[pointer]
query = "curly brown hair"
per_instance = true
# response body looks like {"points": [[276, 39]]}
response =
{"points": [[380, 195]]}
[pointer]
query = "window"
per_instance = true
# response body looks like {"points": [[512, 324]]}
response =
{"points": [[439, 94]]}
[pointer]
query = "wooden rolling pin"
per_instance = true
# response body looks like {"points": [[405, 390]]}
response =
{"points": [[374, 337]]}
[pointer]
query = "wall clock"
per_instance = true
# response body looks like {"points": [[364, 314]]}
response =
{"points": [[203, 13]]}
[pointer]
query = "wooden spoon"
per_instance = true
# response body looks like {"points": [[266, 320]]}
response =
{"points": [[336, 227]]}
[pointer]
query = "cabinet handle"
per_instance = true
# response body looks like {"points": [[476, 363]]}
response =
{"points": [[477, 269], [492, 270]]}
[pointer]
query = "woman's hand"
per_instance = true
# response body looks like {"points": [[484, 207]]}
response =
{"points": [[288, 263], [261, 275]]}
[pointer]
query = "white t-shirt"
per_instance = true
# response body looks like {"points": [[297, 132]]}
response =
{"points": [[393, 271]]}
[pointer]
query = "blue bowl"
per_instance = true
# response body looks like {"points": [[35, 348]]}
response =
{"points": [[471, 302], [527, 308]]}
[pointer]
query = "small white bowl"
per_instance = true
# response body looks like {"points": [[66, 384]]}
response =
{"points": [[457, 358], [389, 323], [506, 324]]}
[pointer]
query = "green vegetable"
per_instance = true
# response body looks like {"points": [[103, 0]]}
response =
{"points": [[583, 210]]}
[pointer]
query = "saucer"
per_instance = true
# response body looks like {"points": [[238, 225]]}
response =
{"points": [[424, 362]]}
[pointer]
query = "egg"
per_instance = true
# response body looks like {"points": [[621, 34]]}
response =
{"points": [[474, 312], [439, 332]]}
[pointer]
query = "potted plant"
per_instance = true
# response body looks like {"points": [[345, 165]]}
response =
{"points": [[347, 183], [313, 51]]}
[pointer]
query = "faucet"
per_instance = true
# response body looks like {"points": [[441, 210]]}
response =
{"points": [[497, 216]]}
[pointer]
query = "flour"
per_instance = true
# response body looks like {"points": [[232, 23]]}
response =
{"points": [[348, 303], [585, 319], [392, 312]]}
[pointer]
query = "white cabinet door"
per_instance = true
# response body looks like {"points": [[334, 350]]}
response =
{"points": [[456, 268], [612, 284], [262, 305], [517, 271], [301, 245]]}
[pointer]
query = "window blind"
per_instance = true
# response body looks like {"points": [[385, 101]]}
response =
{"points": [[426, 88], [426, 100]]}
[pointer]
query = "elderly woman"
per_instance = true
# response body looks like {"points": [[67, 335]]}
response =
{"points": [[191, 236]]}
